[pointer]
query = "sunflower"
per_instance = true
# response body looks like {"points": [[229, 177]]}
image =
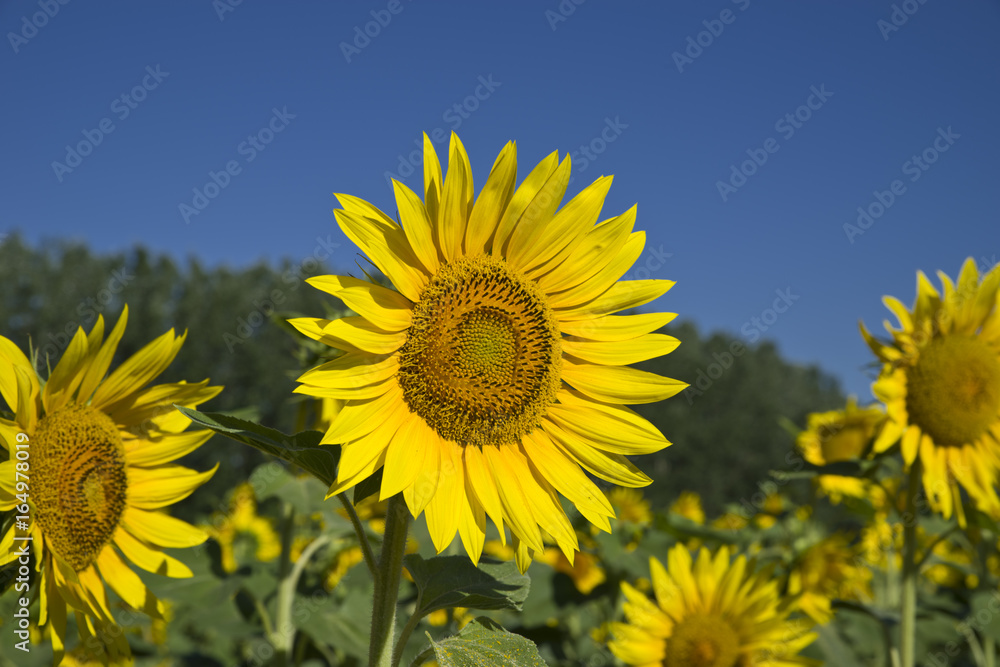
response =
{"points": [[97, 453], [840, 435], [630, 506], [494, 376], [688, 505], [940, 382], [831, 569], [713, 612], [242, 521]]}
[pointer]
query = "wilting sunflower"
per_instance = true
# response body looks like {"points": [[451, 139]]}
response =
{"points": [[715, 612], [98, 477], [495, 373], [940, 382], [840, 435]]}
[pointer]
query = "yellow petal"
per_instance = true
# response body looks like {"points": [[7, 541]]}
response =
{"points": [[385, 308], [163, 449], [512, 496], [614, 468], [153, 488], [616, 327], [12, 356], [357, 333], [607, 430], [566, 476], [621, 353], [417, 225], [598, 246], [432, 180], [105, 352], [353, 369], [360, 207], [456, 200], [445, 507], [405, 456], [471, 524], [161, 529], [124, 581], [137, 371], [549, 245], [620, 296], [360, 417], [538, 213], [66, 376], [607, 275], [520, 201], [492, 201], [387, 247], [619, 384], [484, 489], [424, 486]]}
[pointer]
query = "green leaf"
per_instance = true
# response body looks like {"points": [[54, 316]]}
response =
{"points": [[453, 581], [302, 449], [808, 470], [985, 606], [368, 486], [483, 643]]}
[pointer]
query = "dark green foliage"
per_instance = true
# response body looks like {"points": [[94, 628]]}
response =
{"points": [[726, 429]]}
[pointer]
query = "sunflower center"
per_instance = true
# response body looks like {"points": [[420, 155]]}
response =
{"points": [[79, 483], [842, 442], [703, 641], [953, 391], [482, 358]]}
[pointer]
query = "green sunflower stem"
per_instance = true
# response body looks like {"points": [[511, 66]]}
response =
{"points": [[282, 636], [989, 652], [390, 569], [908, 611]]}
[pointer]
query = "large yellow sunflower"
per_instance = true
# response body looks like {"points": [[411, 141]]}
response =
{"points": [[940, 382], [95, 453], [713, 612], [495, 373]]}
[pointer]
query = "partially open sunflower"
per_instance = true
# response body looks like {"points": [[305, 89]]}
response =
{"points": [[495, 372], [940, 382], [94, 455]]}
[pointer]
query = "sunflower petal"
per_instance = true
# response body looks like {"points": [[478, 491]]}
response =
{"points": [[161, 529], [619, 384], [418, 225], [153, 488], [456, 200], [493, 200], [385, 308], [387, 247]]}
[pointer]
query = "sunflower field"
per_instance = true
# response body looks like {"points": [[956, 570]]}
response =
{"points": [[433, 460]]}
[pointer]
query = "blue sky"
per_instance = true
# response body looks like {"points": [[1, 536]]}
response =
{"points": [[749, 133]]}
